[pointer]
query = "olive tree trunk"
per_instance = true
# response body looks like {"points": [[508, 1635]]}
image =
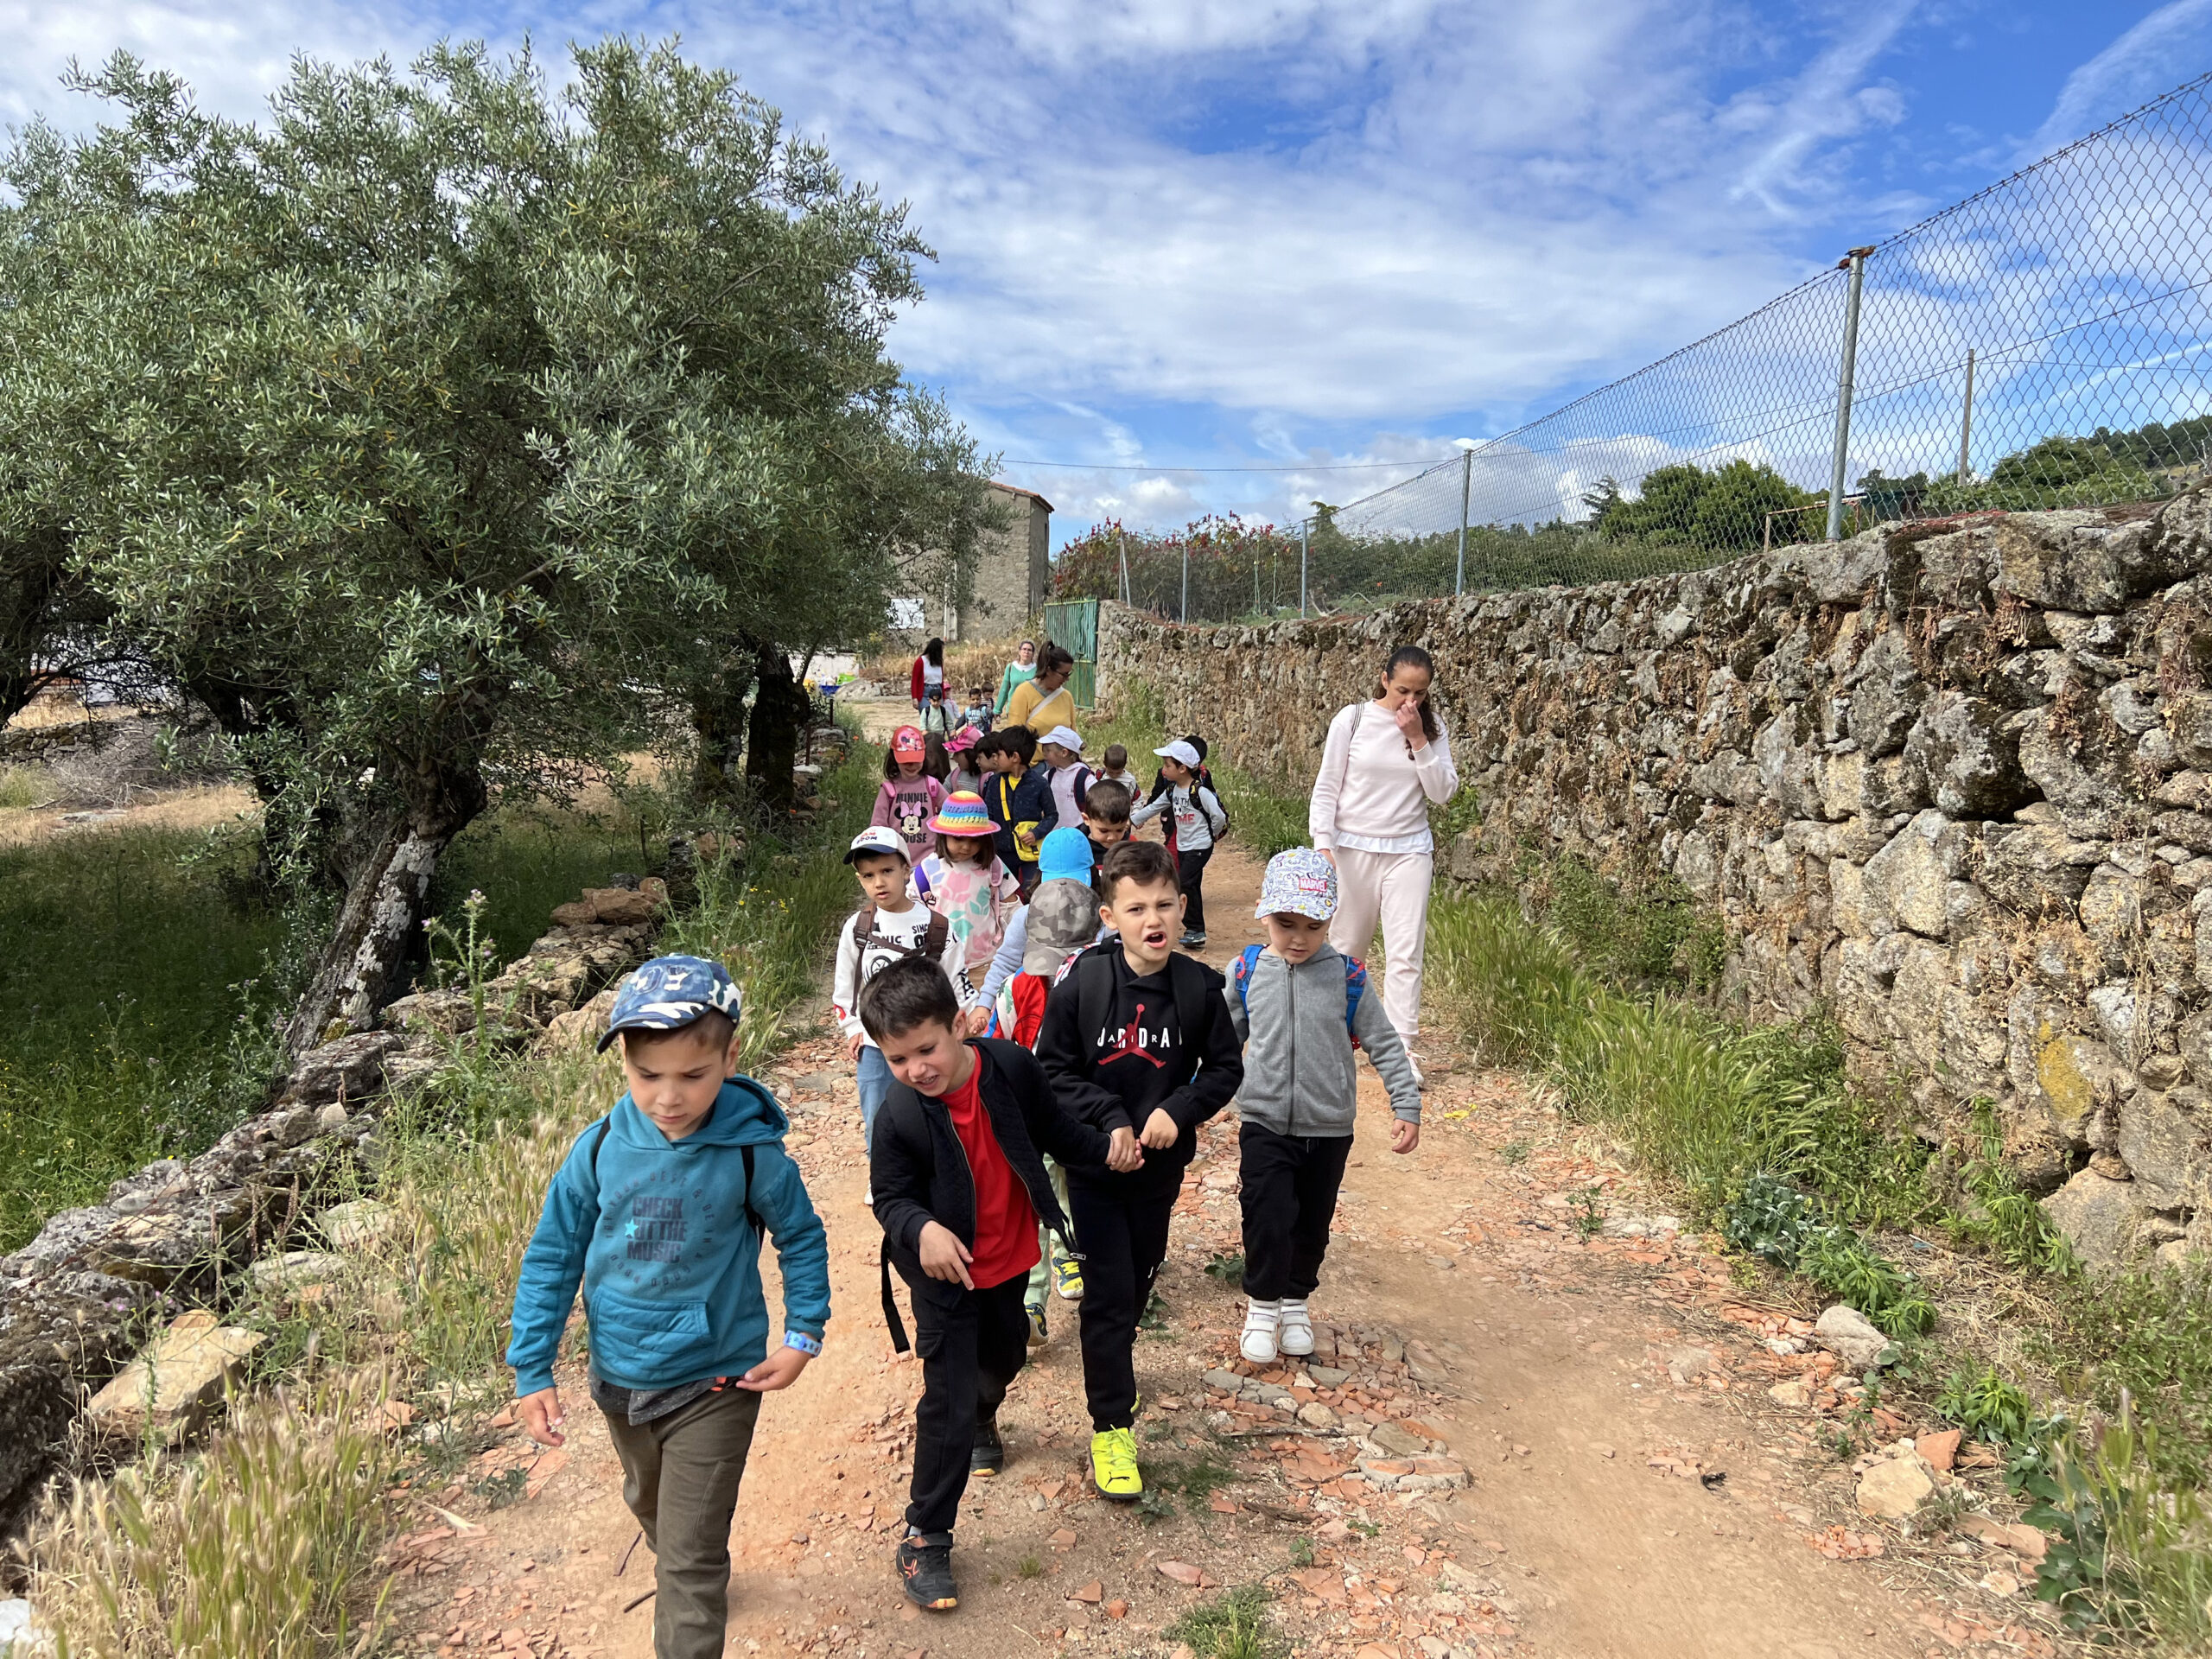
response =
{"points": [[372, 947], [781, 710]]}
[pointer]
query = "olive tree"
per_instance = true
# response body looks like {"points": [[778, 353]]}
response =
{"points": [[432, 428]]}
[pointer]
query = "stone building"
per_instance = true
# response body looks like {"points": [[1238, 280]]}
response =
{"points": [[1013, 569], [1014, 572]]}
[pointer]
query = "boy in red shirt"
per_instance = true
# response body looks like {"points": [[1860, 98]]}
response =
{"points": [[960, 1188]]}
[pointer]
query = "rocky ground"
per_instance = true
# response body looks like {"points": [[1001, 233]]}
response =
{"points": [[1544, 1421]]}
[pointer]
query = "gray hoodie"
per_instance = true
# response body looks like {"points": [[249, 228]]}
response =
{"points": [[1299, 1075]]}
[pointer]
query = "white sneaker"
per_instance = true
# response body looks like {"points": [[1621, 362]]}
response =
{"points": [[1258, 1344], [1294, 1334]]}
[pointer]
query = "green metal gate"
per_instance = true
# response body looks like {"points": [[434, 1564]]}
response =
{"points": [[1074, 624]]}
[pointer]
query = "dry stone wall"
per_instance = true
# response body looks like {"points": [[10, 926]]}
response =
{"points": [[1952, 779]]}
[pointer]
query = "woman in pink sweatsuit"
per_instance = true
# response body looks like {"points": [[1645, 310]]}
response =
{"points": [[1385, 762]]}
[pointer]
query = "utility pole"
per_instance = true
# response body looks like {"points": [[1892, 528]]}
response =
{"points": [[1855, 263], [1466, 479], [1966, 421], [1303, 526], [1185, 616]]}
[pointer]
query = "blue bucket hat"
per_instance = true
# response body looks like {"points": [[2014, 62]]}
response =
{"points": [[667, 993], [1065, 855]]}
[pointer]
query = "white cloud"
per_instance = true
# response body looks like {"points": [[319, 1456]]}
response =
{"points": [[1264, 219], [2146, 60]]}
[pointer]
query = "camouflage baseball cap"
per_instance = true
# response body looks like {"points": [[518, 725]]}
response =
{"points": [[667, 993], [1063, 918]]}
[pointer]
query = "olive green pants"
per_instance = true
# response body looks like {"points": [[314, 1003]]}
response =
{"points": [[680, 1476]]}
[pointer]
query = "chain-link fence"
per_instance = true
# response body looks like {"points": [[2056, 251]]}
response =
{"points": [[2042, 344]]}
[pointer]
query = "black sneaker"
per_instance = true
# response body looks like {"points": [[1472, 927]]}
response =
{"points": [[1193, 940], [925, 1572], [987, 1455]]}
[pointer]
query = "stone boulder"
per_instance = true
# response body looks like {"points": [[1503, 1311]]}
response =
{"points": [[348, 1068], [1851, 1337], [167, 1392], [2100, 1217], [1967, 752]]}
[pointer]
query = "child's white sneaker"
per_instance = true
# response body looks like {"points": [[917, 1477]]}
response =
{"points": [[1294, 1329], [1258, 1344]]}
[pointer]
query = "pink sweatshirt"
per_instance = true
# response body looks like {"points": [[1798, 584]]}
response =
{"points": [[1371, 795]]}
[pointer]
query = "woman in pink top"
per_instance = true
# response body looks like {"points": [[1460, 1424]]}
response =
{"points": [[1385, 762]]}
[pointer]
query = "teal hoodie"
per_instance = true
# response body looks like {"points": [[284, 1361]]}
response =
{"points": [[659, 1237]]}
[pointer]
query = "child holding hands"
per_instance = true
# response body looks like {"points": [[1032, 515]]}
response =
{"points": [[960, 1190]]}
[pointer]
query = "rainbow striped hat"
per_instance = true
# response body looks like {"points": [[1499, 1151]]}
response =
{"points": [[964, 814]]}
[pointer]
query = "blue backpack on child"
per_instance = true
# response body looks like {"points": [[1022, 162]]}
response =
{"points": [[1240, 976]]}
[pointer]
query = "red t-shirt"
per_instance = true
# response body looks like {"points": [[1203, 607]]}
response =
{"points": [[1006, 1223]]}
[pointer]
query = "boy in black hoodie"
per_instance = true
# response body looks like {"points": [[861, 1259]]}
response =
{"points": [[959, 1192], [1138, 1043]]}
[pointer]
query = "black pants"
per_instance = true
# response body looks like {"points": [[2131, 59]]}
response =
{"points": [[1191, 872], [970, 1353], [1290, 1184], [1123, 1233]]}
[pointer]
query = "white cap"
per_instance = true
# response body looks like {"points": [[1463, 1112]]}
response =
{"points": [[1066, 736], [1179, 750], [878, 838]]}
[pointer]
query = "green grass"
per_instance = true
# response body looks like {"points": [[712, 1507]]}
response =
{"points": [[1233, 1625], [24, 786], [131, 982], [527, 859]]}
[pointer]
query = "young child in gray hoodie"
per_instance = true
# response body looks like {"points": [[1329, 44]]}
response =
{"points": [[1300, 1008]]}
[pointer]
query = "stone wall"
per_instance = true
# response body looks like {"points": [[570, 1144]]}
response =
{"points": [[1952, 779]]}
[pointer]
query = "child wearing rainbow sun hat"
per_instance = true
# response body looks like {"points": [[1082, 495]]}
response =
{"points": [[963, 881]]}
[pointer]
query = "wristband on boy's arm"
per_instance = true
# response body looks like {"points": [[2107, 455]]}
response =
{"points": [[810, 1346]]}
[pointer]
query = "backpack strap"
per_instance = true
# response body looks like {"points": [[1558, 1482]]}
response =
{"points": [[605, 1124], [899, 1344], [864, 927], [934, 936], [1355, 988], [1094, 991], [1241, 972], [1186, 979], [753, 1215]]}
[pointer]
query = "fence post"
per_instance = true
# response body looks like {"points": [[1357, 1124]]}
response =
{"points": [[1122, 544], [1855, 263], [1966, 420], [1185, 615], [1302, 525], [1466, 477]]}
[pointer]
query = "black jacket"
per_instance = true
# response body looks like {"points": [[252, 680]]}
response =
{"points": [[918, 1170], [1198, 1076]]}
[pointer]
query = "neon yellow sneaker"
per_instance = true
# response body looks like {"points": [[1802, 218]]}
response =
{"points": [[1067, 1279], [1114, 1465]]}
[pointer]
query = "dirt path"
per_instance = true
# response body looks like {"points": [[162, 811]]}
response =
{"points": [[1578, 1498]]}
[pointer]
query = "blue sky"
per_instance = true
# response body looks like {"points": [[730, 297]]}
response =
{"points": [[1306, 233]]}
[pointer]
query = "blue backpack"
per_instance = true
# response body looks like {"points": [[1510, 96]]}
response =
{"points": [[1240, 976]]}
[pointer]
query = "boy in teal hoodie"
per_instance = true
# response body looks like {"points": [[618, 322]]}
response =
{"points": [[659, 1212]]}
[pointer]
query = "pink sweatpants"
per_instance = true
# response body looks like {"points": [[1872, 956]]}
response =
{"points": [[1392, 888]]}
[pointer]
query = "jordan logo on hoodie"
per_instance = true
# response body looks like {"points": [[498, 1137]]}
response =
{"points": [[1134, 1041]]}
